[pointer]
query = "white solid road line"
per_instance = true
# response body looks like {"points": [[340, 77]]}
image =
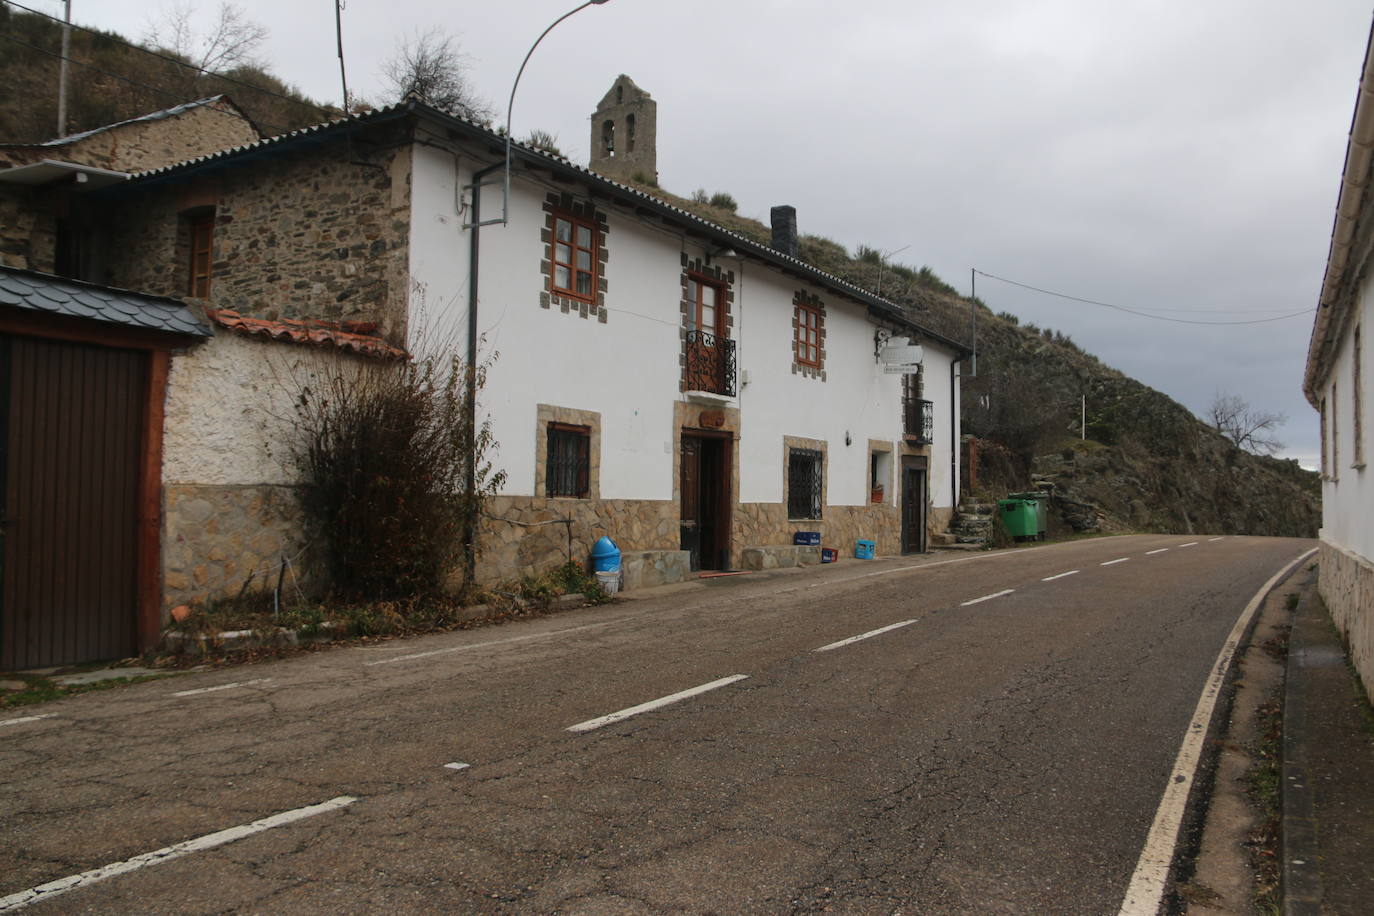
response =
{"points": [[1150, 553], [199, 690], [1072, 572], [167, 853], [861, 636], [1189, 544], [23, 719], [591, 724], [1113, 562], [492, 642], [1146, 890], [1005, 591], [456, 766]]}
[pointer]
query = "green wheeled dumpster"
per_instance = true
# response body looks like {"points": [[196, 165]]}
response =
{"points": [[1041, 500], [1018, 517]]}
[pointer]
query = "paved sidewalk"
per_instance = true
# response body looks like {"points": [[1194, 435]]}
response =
{"points": [[1328, 774]]}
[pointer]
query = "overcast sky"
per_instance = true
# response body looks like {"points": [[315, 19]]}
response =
{"points": [[1156, 155]]}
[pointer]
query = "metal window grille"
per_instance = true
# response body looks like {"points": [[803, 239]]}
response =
{"points": [[804, 476], [918, 414], [710, 363], [568, 466]]}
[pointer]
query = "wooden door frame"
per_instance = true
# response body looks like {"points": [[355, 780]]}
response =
{"points": [[724, 507], [158, 347], [922, 464]]}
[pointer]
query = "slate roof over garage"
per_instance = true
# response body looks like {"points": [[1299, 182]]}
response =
{"points": [[26, 289]]}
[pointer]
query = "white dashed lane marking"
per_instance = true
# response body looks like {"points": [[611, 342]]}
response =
{"points": [[1072, 572], [167, 853], [219, 687], [1150, 553], [871, 633], [1113, 562], [21, 720], [591, 724], [1005, 591]]}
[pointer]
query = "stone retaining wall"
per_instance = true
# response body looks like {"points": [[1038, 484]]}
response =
{"points": [[214, 537], [1346, 583]]}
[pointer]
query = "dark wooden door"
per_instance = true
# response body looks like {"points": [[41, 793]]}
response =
{"points": [[71, 417], [913, 509], [705, 494]]}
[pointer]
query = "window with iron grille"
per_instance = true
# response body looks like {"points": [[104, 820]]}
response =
{"points": [[805, 470], [568, 467]]}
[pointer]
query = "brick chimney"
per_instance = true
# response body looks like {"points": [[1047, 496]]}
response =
{"points": [[784, 220]]}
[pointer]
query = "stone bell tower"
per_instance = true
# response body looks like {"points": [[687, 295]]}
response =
{"points": [[625, 133]]}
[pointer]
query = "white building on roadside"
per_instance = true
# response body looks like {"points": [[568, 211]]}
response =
{"points": [[1337, 383]]}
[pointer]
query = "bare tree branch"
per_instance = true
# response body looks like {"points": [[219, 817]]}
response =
{"points": [[429, 65], [1248, 428], [231, 41]]}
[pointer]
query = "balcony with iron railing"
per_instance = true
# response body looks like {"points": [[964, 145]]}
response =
{"points": [[918, 421], [710, 363]]}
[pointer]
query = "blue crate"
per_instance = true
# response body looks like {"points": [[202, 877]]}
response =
{"points": [[807, 538], [864, 550]]}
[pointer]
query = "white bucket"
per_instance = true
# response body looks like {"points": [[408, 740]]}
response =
{"points": [[609, 582]]}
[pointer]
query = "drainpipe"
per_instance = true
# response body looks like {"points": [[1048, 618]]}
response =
{"points": [[470, 388], [953, 425]]}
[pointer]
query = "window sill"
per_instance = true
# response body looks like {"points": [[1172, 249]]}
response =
{"points": [[709, 397]]}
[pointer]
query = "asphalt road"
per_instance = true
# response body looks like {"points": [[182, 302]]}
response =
{"points": [[1003, 755]]}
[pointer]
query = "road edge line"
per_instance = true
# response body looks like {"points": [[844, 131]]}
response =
{"points": [[1145, 891]]}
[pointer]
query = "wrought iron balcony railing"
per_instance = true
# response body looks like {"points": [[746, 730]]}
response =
{"points": [[918, 420], [710, 363]]}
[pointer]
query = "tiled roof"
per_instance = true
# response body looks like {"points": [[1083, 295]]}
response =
{"points": [[726, 236], [26, 289], [357, 336]]}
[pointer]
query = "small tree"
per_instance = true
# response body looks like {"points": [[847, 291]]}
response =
{"points": [[383, 452], [1246, 427], [430, 65]]}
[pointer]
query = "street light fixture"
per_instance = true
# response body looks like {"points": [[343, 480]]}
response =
{"points": [[510, 105]]}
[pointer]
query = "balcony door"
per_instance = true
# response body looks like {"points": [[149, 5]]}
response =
{"points": [[708, 351]]}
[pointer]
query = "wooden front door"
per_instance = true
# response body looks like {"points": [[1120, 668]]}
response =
{"points": [[71, 432], [913, 507], [704, 481]]}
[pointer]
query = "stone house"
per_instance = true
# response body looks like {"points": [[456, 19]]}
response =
{"points": [[1337, 384], [693, 393]]}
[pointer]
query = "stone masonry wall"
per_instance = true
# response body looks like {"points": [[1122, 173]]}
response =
{"points": [[310, 234], [28, 229], [766, 524], [524, 535], [1346, 583], [216, 538], [143, 145]]}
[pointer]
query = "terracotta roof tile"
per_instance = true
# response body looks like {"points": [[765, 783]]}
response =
{"points": [[357, 336]]}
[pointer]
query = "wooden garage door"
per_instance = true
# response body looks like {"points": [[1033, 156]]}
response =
{"points": [[70, 421]]}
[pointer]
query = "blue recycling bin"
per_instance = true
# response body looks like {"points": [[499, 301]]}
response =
{"points": [[605, 556]]}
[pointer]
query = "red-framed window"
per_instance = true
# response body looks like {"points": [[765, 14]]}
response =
{"points": [[202, 236], [574, 257], [808, 342], [706, 300]]}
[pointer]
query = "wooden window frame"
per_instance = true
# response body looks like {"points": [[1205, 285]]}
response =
{"points": [[593, 252], [200, 228], [565, 432], [700, 279], [802, 342]]}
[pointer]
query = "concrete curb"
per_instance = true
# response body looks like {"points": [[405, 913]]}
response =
{"points": [[234, 640]]}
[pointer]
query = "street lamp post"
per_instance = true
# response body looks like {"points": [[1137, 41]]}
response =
{"points": [[470, 392]]}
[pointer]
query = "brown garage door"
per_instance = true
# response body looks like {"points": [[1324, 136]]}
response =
{"points": [[70, 421]]}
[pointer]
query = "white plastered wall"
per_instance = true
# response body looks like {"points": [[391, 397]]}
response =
{"points": [[1347, 490], [627, 369]]}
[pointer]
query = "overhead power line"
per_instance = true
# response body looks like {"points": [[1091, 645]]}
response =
{"points": [[163, 57], [1134, 311]]}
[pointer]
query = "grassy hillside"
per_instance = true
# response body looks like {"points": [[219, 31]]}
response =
{"points": [[111, 81]]}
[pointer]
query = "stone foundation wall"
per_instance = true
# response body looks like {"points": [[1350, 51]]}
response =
{"points": [[525, 535], [765, 524], [214, 537], [1346, 583]]}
